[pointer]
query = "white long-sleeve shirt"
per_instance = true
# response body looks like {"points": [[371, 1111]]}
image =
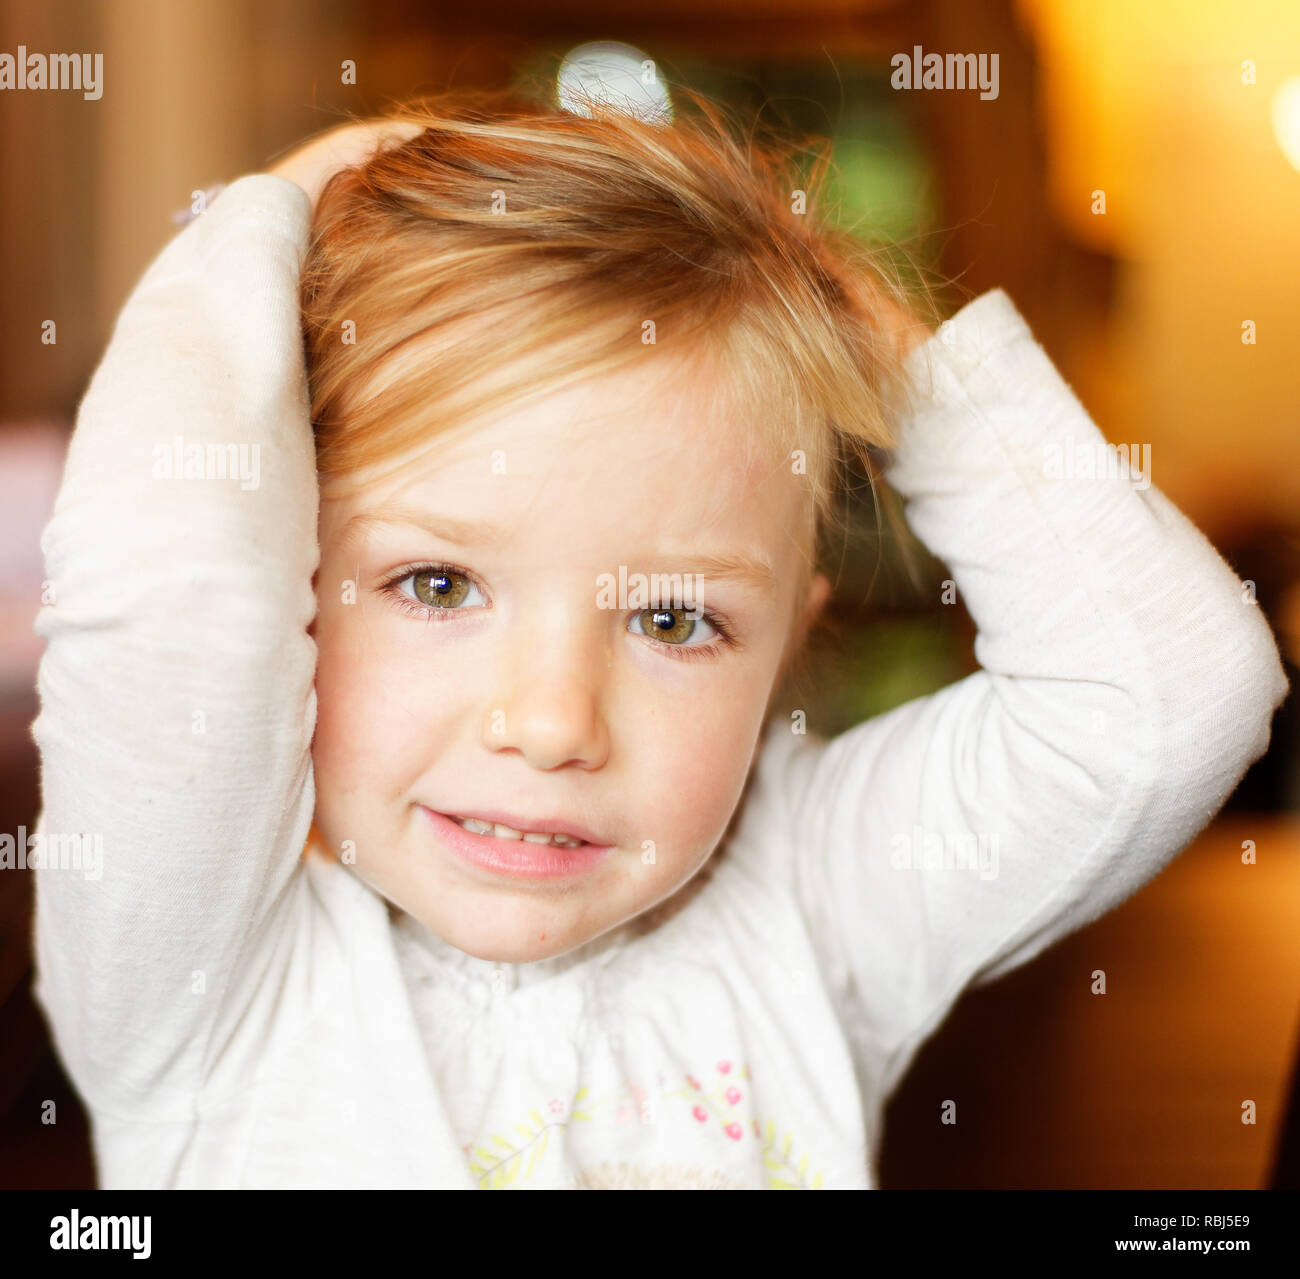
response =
{"points": [[236, 1015]]}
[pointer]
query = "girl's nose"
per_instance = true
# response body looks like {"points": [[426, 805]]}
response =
{"points": [[549, 706]]}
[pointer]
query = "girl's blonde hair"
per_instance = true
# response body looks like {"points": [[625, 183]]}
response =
{"points": [[512, 248]]}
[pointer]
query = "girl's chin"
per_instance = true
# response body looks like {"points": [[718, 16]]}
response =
{"points": [[496, 927]]}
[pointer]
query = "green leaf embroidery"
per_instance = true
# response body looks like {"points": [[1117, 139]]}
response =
{"points": [[781, 1162], [511, 1167]]}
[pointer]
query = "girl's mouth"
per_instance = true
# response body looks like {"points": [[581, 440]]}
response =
{"points": [[479, 827], [506, 850]]}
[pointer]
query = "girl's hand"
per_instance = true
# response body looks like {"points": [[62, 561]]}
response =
{"points": [[314, 162]]}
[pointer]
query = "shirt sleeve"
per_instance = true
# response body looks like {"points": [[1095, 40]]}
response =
{"points": [[1127, 681], [177, 703]]}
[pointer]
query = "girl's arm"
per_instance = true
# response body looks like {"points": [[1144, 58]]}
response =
{"points": [[176, 690], [1128, 681]]}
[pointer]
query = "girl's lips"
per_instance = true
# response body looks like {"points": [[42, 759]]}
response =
{"points": [[551, 825], [517, 857]]}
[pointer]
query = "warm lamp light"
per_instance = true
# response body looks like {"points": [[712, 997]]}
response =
{"points": [[1286, 119]]}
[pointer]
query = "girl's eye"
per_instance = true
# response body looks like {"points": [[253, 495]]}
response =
{"points": [[439, 587], [673, 626], [429, 590]]}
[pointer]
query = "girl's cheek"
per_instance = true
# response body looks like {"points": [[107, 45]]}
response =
{"points": [[704, 769], [335, 740], [348, 700]]}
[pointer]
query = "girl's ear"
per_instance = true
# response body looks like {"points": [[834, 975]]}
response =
{"points": [[815, 597], [819, 591]]}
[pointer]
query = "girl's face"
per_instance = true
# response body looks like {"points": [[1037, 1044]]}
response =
{"points": [[484, 663]]}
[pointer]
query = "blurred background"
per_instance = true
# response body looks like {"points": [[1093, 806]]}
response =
{"points": [[1135, 188]]}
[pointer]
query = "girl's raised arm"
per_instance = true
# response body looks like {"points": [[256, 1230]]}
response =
{"points": [[1128, 679], [176, 690]]}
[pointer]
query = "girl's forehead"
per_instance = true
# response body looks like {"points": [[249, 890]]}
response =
{"points": [[656, 446], [649, 420], [636, 462], [591, 493]]}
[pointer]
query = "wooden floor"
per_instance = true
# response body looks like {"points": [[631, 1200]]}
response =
{"points": [[1143, 1086]]}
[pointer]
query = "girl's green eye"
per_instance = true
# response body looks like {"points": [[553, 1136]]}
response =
{"points": [[440, 588], [671, 625]]}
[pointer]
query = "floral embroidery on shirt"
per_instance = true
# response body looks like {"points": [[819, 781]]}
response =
{"points": [[502, 1167], [723, 1104], [782, 1173]]}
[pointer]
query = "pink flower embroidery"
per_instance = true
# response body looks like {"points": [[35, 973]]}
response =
{"points": [[733, 1131], [694, 1083], [555, 1105], [724, 1066], [700, 1113], [733, 1095], [756, 1132]]}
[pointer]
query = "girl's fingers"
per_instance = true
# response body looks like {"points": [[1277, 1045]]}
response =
{"points": [[315, 161]]}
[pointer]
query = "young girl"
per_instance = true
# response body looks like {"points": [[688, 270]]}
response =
{"points": [[576, 910]]}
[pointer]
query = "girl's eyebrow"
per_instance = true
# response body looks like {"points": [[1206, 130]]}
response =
{"points": [[739, 568], [742, 568], [445, 528]]}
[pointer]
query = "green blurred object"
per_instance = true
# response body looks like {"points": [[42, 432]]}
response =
{"points": [[880, 186], [878, 666], [871, 667]]}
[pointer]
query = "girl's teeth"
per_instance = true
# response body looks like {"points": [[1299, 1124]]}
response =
{"points": [[505, 832]]}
